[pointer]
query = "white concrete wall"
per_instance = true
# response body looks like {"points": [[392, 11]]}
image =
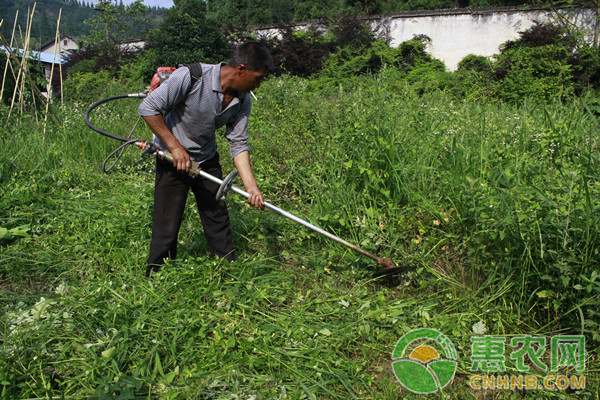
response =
{"points": [[457, 33], [454, 36]]}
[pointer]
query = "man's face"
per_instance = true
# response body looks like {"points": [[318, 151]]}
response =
{"points": [[249, 80]]}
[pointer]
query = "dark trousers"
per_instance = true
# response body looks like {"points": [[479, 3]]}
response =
{"points": [[170, 194]]}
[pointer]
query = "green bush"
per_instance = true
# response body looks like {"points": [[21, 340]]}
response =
{"points": [[131, 69], [429, 77], [586, 67], [187, 36], [34, 71], [349, 61], [541, 71], [472, 78], [410, 55], [89, 87], [83, 66], [138, 70], [475, 63], [546, 62]]}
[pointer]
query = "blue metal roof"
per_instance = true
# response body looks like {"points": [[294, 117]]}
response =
{"points": [[36, 55]]}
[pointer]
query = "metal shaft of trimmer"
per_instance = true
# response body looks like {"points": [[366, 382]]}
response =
{"points": [[196, 171]]}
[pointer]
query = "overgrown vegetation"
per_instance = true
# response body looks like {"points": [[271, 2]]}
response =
{"points": [[495, 205], [491, 195]]}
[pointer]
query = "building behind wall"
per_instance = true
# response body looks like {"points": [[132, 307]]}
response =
{"points": [[66, 45]]}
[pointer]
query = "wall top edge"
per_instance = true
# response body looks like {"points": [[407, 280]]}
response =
{"points": [[433, 13]]}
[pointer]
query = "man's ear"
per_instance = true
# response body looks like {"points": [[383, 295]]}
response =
{"points": [[242, 67]]}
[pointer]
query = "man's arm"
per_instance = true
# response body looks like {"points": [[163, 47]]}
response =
{"points": [[181, 158], [170, 93], [242, 163]]}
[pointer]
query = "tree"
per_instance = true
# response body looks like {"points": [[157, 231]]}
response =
{"points": [[187, 35], [577, 6], [4, 29], [112, 24], [45, 30], [241, 13]]}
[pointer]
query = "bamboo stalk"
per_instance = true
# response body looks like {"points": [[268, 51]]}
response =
{"points": [[23, 74], [16, 61], [24, 60], [61, 82], [17, 79], [8, 50], [49, 87], [12, 36], [20, 81], [27, 47]]}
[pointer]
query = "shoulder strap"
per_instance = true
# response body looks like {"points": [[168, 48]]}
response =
{"points": [[195, 71]]}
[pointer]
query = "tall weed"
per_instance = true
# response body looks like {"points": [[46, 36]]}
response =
{"points": [[491, 188]]}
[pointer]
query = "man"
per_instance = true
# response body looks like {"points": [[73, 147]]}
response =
{"points": [[219, 97]]}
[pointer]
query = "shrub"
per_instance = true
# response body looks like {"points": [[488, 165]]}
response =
{"points": [[137, 70], [585, 64], [413, 52], [83, 66], [541, 71], [370, 59], [475, 63], [89, 87], [349, 61], [545, 62], [299, 53], [429, 77], [304, 53], [9, 81], [350, 31]]}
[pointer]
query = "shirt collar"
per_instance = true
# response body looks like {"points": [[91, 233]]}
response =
{"points": [[216, 81]]}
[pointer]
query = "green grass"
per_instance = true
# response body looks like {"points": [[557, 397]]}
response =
{"points": [[495, 206]]}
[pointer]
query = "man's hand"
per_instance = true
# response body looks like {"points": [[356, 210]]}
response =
{"points": [[181, 159], [256, 198], [242, 163]]}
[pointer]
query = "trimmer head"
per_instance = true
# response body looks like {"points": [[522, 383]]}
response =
{"points": [[390, 268]]}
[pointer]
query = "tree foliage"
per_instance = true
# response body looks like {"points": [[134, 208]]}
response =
{"points": [[545, 58], [247, 13], [74, 13], [187, 35], [112, 24]]}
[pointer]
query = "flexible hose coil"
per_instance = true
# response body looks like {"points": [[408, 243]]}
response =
{"points": [[127, 140]]}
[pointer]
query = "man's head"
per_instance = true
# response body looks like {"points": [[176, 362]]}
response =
{"points": [[254, 55], [252, 62]]}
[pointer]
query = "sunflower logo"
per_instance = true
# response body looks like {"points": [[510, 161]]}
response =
{"points": [[418, 364]]}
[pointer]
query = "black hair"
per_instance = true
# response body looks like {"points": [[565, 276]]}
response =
{"points": [[254, 55]]}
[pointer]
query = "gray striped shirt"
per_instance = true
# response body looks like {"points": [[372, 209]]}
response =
{"points": [[196, 113]]}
